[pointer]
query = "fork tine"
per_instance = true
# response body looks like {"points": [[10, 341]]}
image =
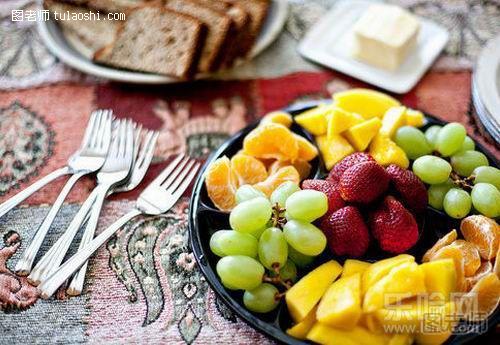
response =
{"points": [[137, 141], [182, 188], [146, 149], [98, 132], [90, 130], [173, 186], [166, 172], [106, 137], [108, 117], [129, 145], [175, 173]]}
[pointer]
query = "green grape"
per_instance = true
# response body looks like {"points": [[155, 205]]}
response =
{"points": [[273, 249], [436, 193], [431, 135], [487, 175], [250, 215], [307, 205], [262, 299], [238, 272], [247, 192], [229, 242], [464, 162], [468, 144], [450, 138], [282, 193], [304, 237], [412, 141], [486, 199], [301, 260], [289, 271], [258, 233], [457, 203], [432, 169]]}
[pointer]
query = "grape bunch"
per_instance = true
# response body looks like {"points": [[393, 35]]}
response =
{"points": [[460, 177], [270, 238]]}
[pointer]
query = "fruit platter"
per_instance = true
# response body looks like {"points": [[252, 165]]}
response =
{"points": [[355, 220]]}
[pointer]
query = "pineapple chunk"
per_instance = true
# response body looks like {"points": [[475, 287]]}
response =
{"points": [[301, 329], [414, 118], [341, 305], [352, 266], [365, 102], [440, 278], [341, 120], [303, 296], [333, 150], [381, 268], [361, 134], [393, 119], [386, 152], [314, 120]]}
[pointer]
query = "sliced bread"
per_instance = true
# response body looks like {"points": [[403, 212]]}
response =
{"points": [[154, 39], [218, 28], [94, 34]]}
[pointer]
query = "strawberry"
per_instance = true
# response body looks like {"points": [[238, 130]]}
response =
{"points": [[346, 232], [363, 182], [393, 226], [331, 191], [409, 186], [347, 162]]}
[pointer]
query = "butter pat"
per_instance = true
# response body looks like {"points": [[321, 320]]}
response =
{"points": [[384, 35]]}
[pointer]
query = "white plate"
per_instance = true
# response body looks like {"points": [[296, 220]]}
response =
{"points": [[329, 43], [69, 51]]}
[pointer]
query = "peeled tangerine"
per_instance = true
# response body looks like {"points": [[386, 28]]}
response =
{"points": [[442, 242], [248, 169], [361, 134], [386, 152], [221, 183], [271, 140], [352, 266], [341, 305], [381, 268], [483, 232], [367, 103], [440, 278], [307, 151], [403, 281], [315, 120], [302, 167], [281, 117], [334, 149], [303, 296], [288, 173], [472, 260], [483, 299]]}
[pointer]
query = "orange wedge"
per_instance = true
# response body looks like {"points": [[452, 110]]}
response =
{"points": [[248, 169], [221, 184], [271, 140], [442, 242], [485, 295], [307, 151], [472, 260], [303, 167], [485, 268], [484, 232], [272, 182]]}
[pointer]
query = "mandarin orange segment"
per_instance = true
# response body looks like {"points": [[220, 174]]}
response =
{"points": [[221, 184], [496, 265], [487, 293], [484, 232], [442, 242], [280, 117], [472, 260], [457, 255], [485, 268], [303, 167], [288, 173], [248, 169], [271, 140], [307, 151]]}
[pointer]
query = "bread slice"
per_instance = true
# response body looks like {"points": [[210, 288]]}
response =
{"points": [[218, 27], [94, 34], [154, 39]]}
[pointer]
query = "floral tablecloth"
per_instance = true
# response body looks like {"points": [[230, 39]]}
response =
{"points": [[144, 285]]}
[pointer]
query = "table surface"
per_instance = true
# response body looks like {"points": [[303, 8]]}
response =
{"points": [[144, 286]]}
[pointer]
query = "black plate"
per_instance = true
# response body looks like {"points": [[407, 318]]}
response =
{"points": [[205, 219]]}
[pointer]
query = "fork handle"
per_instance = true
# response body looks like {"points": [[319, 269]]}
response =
{"points": [[22, 195], [25, 263], [55, 280]]}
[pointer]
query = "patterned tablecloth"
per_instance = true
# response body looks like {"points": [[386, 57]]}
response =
{"points": [[144, 285]]}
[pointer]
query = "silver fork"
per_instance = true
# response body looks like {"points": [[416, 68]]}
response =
{"points": [[142, 159], [87, 160], [116, 168], [157, 198]]}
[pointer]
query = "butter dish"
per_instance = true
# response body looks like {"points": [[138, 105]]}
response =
{"points": [[330, 42]]}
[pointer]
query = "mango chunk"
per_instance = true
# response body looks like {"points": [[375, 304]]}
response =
{"points": [[352, 266], [402, 282], [440, 278], [365, 102], [333, 150], [414, 118], [281, 117], [386, 152], [393, 119], [341, 120], [361, 134], [301, 329], [324, 334], [341, 305], [370, 322], [314, 120], [307, 292], [401, 339], [381, 268]]}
